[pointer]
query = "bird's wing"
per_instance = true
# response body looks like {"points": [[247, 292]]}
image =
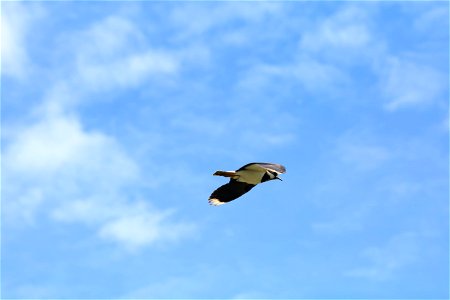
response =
{"points": [[228, 192], [262, 167]]}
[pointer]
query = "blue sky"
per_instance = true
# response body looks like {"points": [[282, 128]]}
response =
{"points": [[116, 114]]}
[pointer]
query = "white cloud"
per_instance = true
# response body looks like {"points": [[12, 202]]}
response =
{"points": [[318, 77], [16, 20], [432, 18], [345, 37], [348, 38], [134, 231], [89, 210], [363, 156], [385, 261], [56, 168], [113, 53], [57, 143], [303, 72], [198, 281], [410, 84], [38, 290], [140, 226], [347, 29], [249, 295], [131, 224], [57, 158], [127, 71], [270, 138], [106, 38], [209, 17], [361, 150], [349, 219]]}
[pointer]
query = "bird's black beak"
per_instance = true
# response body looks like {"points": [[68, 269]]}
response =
{"points": [[278, 178]]}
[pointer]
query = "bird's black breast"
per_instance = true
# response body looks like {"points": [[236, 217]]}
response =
{"points": [[230, 191]]}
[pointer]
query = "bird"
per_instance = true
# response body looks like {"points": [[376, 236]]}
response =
{"points": [[243, 180]]}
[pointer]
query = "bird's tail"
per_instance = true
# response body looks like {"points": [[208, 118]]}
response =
{"points": [[225, 173]]}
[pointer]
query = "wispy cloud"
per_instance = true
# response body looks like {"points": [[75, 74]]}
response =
{"points": [[140, 230], [362, 151], [200, 283], [345, 30], [16, 24], [125, 72], [409, 84], [300, 73], [349, 219], [114, 53], [386, 260], [58, 142], [430, 18], [57, 168], [348, 38], [317, 63], [56, 157], [212, 17]]}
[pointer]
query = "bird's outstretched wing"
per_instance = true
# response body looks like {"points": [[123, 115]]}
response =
{"points": [[228, 192], [263, 167]]}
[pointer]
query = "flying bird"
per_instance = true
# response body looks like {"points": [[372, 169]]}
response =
{"points": [[243, 180]]}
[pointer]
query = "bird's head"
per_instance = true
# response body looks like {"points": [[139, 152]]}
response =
{"points": [[270, 176]]}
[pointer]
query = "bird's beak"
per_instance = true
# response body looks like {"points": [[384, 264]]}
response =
{"points": [[278, 178]]}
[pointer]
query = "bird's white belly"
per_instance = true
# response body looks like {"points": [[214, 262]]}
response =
{"points": [[249, 176]]}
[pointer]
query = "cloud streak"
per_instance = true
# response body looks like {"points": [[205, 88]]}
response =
{"points": [[55, 168], [385, 261], [16, 23], [58, 169], [410, 84]]}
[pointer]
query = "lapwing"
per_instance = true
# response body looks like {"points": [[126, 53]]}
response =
{"points": [[243, 180]]}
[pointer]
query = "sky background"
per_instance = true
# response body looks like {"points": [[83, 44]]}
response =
{"points": [[116, 114]]}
